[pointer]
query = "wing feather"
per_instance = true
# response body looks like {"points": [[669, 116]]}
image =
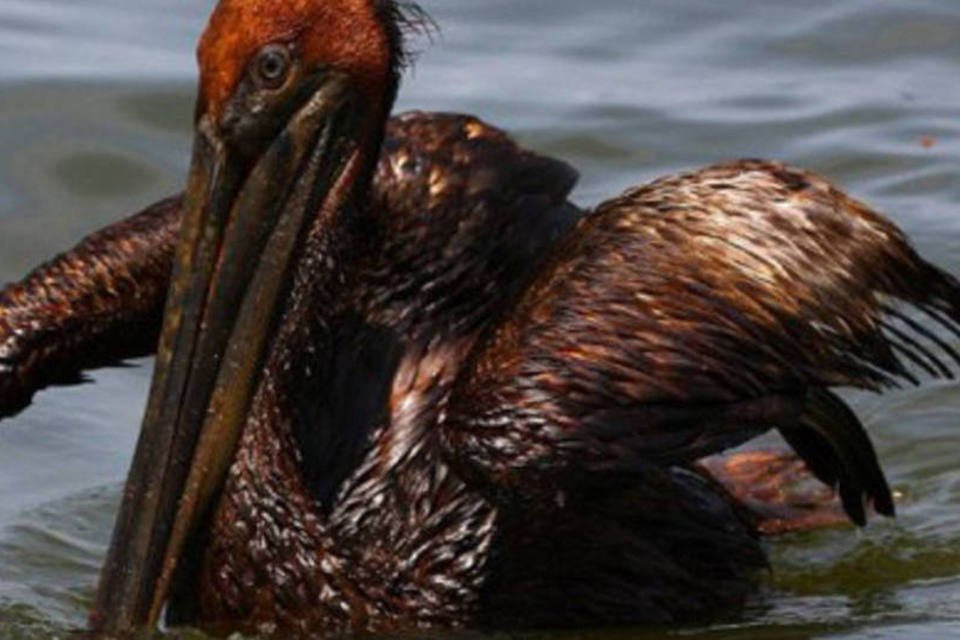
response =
{"points": [[706, 291]]}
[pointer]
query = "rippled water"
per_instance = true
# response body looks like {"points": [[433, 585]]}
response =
{"points": [[95, 102]]}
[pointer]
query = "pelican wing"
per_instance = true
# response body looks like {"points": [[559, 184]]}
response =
{"points": [[97, 303], [691, 314]]}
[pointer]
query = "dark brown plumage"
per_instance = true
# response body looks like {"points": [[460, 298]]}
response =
{"points": [[100, 302], [689, 315], [450, 399]]}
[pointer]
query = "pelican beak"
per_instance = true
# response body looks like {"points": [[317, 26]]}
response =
{"points": [[246, 214]]}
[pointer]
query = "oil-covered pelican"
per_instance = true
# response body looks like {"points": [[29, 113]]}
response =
{"points": [[436, 398]]}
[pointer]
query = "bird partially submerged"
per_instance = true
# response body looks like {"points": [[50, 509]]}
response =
{"points": [[429, 393]]}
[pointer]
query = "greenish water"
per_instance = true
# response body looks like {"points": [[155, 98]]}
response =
{"points": [[95, 103]]}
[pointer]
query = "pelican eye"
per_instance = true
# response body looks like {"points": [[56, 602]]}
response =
{"points": [[273, 65]]}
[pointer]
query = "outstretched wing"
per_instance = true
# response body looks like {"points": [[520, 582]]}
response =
{"points": [[689, 315], [100, 302]]}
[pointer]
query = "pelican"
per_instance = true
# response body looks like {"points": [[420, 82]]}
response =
{"points": [[403, 384]]}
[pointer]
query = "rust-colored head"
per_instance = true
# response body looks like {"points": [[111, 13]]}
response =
{"points": [[353, 36]]}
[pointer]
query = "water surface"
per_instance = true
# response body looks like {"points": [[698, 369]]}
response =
{"points": [[95, 104]]}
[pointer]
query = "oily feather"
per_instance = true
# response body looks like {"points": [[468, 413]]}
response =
{"points": [[686, 316]]}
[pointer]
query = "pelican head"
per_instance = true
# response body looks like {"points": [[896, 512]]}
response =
{"points": [[291, 107]]}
